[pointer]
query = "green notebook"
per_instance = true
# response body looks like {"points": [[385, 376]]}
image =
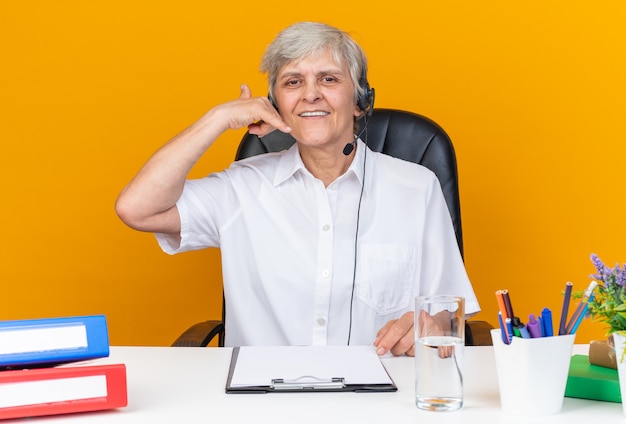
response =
{"points": [[589, 381]]}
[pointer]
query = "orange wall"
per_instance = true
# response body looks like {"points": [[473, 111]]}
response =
{"points": [[532, 94]]}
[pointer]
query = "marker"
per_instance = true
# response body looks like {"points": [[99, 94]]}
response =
{"points": [[524, 332], [546, 321], [521, 328], [566, 298], [533, 327], [517, 326]]}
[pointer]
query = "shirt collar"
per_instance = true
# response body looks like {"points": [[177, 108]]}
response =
{"points": [[290, 163]]}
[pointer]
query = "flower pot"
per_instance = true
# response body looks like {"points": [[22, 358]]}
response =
{"points": [[620, 345]]}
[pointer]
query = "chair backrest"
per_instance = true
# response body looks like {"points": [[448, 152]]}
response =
{"points": [[400, 134]]}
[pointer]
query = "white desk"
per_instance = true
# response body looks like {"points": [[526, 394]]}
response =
{"points": [[186, 385]]}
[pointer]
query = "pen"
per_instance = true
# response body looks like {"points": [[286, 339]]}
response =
{"points": [[582, 315], [509, 329], [581, 305], [546, 322], [505, 340], [566, 299]]}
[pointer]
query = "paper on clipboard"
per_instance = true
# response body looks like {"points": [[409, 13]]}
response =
{"points": [[258, 366]]}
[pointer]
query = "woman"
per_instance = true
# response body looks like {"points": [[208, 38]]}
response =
{"points": [[320, 243]]}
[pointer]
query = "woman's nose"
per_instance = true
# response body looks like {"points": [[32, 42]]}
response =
{"points": [[311, 92]]}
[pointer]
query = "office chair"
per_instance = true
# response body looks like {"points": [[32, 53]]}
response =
{"points": [[401, 134]]}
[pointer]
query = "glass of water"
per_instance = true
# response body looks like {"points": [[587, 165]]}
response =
{"points": [[439, 348]]}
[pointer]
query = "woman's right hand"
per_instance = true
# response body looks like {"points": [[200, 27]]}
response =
{"points": [[255, 113]]}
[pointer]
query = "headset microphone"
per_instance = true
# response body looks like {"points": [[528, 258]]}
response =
{"points": [[349, 148], [365, 102]]}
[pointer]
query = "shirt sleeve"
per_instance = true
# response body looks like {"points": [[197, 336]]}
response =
{"points": [[199, 214], [443, 267]]}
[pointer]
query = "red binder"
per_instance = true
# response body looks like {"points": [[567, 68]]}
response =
{"points": [[62, 390]]}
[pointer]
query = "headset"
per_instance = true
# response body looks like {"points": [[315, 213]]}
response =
{"points": [[365, 102]]}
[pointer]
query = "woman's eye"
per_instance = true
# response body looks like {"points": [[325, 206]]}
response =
{"points": [[292, 82]]}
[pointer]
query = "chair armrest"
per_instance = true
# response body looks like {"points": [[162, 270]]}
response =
{"points": [[478, 333], [201, 334]]}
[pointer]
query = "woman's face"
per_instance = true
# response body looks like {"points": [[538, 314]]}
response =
{"points": [[315, 97]]}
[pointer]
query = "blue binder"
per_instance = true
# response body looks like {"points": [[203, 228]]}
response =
{"points": [[49, 341]]}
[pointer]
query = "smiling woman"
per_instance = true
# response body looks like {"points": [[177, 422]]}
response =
{"points": [[315, 97], [285, 222]]}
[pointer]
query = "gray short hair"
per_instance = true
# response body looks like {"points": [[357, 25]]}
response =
{"points": [[304, 39]]}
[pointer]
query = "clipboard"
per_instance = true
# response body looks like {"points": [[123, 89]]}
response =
{"points": [[293, 369]]}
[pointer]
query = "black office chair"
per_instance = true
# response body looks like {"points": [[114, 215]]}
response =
{"points": [[401, 134]]}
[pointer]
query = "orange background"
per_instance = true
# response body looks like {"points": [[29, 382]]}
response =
{"points": [[532, 94]]}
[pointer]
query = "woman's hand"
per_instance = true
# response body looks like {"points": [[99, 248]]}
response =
{"points": [[397, 336], [256, 113]]}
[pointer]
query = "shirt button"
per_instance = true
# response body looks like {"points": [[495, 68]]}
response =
{"points": [[326, 227], [325, 273], [321, 321]]}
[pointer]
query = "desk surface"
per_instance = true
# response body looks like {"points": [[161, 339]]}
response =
{"points": [[186, 385]]}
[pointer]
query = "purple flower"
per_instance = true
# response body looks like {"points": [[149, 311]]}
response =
{"points": [[600, 267], [610, 298], [621, 276], [615, 276]]}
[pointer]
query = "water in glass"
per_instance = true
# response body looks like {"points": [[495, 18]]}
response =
{"points": [[439, 382]]}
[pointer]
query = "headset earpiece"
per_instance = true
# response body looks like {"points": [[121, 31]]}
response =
{"points": [[271, 99], [365, 101]]}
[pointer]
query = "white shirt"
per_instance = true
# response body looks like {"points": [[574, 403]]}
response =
{"points": [[288, 246]]}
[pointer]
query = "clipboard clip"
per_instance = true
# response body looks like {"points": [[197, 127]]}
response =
{"points": [[308, 382]]}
